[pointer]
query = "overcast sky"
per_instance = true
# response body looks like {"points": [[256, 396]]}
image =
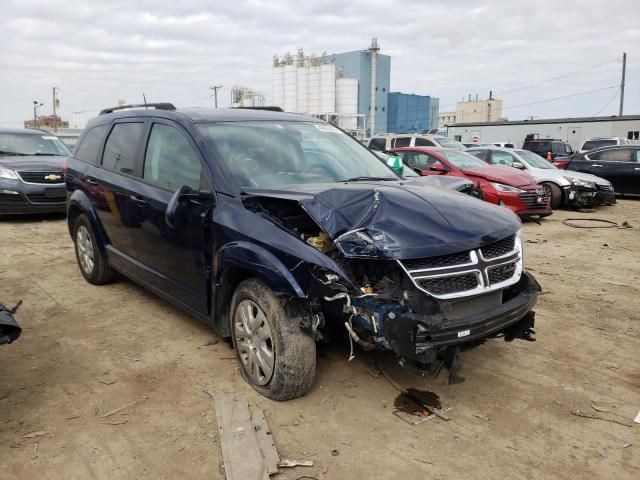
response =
{"points": [[98, 52]]}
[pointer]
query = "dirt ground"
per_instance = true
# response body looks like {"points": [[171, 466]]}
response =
{"points": [[86, 351]]}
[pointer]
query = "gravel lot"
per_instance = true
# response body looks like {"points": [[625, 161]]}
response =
{"points": [[87, 351]]}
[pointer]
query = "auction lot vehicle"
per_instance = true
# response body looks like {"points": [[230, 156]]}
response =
{"points": [[389, 142], [31, 177], [548, 148], [592, 143], [619, 165], [569, 189], [271, 226], [502, 186]]}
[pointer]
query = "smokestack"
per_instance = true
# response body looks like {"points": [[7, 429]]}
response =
{"points": [[373, 49]]}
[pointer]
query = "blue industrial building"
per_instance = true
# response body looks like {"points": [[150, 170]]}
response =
{"points": [[410, 113], [357, 64]]}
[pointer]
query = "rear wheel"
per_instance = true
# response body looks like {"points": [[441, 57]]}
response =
{"points": [[556, 194], [93, 266], [277, 359]]}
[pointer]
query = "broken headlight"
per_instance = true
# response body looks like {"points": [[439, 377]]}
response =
{"points": [[365, 244], [578, 182]]}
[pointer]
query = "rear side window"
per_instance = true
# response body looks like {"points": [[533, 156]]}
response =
{"points": [[537, 147], [618, 155], [87, 150], [423, 142], [170, 160], [379, 144], [402, 142], [121, 147], [502, 158], [481, 154]]}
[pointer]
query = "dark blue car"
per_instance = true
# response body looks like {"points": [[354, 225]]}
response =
{"points": [[271, 226]]}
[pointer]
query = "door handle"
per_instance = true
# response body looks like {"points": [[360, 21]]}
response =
{"points": [[138, 199], [596, 165], [92, 181]]}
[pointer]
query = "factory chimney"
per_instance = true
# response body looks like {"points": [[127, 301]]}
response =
{"points": [[374, 49]]}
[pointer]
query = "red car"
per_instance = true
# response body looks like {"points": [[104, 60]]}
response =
{"points": [[499, 184]]}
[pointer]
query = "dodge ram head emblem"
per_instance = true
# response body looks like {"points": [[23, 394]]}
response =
{"points": [[53, 177]]}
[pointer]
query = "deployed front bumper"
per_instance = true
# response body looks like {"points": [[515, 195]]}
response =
{"points": [[421, 337], [578, 197]]}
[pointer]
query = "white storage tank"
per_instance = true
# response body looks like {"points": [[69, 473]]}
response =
{"points": [[303, 90], [327, 88], [290, 88], [314, 89], [347, 102], [277, 87]]}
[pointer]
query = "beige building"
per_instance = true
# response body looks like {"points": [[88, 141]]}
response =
{"points": [[468, 111]]}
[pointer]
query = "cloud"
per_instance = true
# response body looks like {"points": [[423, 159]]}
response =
{"points": [[100, 51]]}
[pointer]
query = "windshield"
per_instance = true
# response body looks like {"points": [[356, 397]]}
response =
{"points": [[462, 160], [31, 144], [534, 160], [591, 144], [446, 142], [272, 153]]}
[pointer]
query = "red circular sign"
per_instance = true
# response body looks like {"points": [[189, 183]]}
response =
{"points": [[475, 138]]}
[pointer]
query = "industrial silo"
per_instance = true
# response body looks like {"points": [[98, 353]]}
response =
{"points": [[290, 88], [303, 90], [327, 88], [277, 86], [314, 89], [347, 102]]}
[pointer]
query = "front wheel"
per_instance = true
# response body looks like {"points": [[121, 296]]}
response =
{"points": [[556, 194], [277, 358]]}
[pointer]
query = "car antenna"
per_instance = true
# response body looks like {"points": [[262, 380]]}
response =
{"points": [[145, 101]]}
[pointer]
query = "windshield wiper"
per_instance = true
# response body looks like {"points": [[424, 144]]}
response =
{"points": [[4, 152], [365, 179], [47, 154]]}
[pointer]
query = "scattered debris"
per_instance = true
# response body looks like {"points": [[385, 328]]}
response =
{"points": [[213, 341], [627, 445], [422, 461], [107, 382], [580, 413], [599, 408], [39, 433], [115, 422], [335, 452], [248, 450], [124, 407], [637, 419], [72, 417], [295, 463], [35, 451], [481, 417], [569, 222]]}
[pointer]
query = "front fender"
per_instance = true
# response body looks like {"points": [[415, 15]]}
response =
{"points": [[264, 264]]}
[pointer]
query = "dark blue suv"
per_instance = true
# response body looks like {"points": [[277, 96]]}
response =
{"points": [[271, 227]]}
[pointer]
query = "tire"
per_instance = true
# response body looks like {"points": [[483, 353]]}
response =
{"points": [[93, 266], [556, 195], [260, 326]]}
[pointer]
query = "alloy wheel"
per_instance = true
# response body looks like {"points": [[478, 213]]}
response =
{"points": [[254, 341], [84, 246]]}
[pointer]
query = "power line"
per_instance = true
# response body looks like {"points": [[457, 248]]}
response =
{"points": [[560, 77], [608, 103], [561, 97]]}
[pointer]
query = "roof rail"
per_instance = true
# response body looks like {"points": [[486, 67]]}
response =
{"points": [[157, 106], [270, 109]]}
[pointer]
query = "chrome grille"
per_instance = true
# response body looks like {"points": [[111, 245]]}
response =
{"points": [[499, 248], [530, 198], [492, 267], [45, 177]]}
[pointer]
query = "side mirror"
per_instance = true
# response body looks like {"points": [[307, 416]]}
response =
{"points": [[175, 208], [519, 165], [438, 167]]}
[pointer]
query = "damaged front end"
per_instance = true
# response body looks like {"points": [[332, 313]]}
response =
{"points": [[9, 328], [406, 278]]}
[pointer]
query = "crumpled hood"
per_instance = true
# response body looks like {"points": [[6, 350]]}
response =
{"points": [[32, 162], [442, 181], [502, 174], [587, 177], [398, 220]]}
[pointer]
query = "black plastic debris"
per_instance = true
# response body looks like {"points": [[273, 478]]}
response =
{"points": [[9, 328]]}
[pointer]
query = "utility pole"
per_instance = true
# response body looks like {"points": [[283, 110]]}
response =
{"points": [[624, 69], [215, 94], [55, 119]]}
